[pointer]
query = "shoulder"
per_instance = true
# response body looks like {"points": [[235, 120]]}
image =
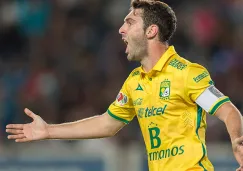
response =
{"points": [[132, 77], [134, 74], [178, 63], [197, 76], [196, 66], [197, 71], [185, 70]]}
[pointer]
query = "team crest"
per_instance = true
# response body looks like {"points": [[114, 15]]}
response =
{"points": [[164, 92], [121, 99]]}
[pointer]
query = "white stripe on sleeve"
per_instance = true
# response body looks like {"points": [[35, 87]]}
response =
{"points": [[209, 97]]}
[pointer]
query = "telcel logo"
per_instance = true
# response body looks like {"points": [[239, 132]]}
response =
{"points": [[148, 112]]}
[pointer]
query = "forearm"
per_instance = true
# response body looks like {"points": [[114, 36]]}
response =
{"points": [[93, 127], [234, 124]]}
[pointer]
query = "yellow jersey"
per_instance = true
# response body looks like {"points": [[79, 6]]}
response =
{"points": [[172, 123]]}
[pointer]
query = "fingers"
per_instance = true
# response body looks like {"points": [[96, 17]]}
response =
{"points": [[19, 136], [14, 131], [22, 140], [29, 113], [21, 126], [15, 126], [240, 168]]}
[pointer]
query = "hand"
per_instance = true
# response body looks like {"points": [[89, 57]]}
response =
{"points": [[240, 168], [36, 130], [238, 151]]}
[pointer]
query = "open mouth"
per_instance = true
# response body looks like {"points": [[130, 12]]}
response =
{"points": [[126, 42]]}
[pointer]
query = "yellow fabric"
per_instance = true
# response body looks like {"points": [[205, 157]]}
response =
{"points": [[172, 124]]}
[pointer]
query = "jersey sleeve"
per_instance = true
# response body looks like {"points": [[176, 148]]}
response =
{"points": [[201, 90], [122, 108]]}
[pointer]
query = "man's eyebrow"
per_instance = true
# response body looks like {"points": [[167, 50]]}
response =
{"points": [[128, 19]]}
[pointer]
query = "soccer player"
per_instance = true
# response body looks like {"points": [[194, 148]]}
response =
{"points": [[169, 95]]}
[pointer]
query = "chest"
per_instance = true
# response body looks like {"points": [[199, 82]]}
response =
{"points": [[157, 95]]}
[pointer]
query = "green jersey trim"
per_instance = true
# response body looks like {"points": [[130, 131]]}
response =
{"points": [[217, 105], [117, 118], [199, 119]]}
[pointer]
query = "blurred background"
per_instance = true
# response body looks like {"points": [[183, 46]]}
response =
{"points": [[65, 60]]}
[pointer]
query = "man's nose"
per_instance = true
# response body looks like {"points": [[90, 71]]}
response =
{"points": [[121, 30]]}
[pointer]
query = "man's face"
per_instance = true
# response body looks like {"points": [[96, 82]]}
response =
{"points": [[133, 34]]}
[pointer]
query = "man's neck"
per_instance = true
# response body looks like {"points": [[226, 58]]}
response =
{"points": [[154, 54]]}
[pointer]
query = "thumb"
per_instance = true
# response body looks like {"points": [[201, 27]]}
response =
{"points": [[29, 113]]}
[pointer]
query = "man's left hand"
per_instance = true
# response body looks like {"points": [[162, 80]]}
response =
{"points": [[238, 151]]}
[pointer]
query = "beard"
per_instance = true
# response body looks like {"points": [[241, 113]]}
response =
{"points": [[137, 49]]}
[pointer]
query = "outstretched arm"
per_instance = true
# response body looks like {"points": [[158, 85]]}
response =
{"points": [[232, 118], [100, 126], [94, 127]]}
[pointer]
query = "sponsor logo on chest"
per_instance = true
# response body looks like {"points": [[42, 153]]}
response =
{"points": [[149, 112]]}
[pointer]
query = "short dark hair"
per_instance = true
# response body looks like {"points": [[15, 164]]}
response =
{"points": [[158, 13]]}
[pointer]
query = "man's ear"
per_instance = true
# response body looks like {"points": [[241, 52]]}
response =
{"points": [[152, 31]]}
